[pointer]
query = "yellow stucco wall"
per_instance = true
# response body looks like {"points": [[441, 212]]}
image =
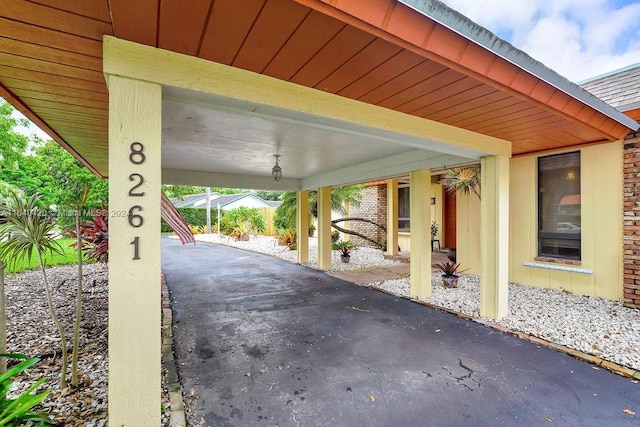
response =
{"points": [[436, 215], [468, 232], [601, 212]]}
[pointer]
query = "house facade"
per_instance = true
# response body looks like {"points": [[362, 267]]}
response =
{"points": [[343, 91], [574, 213]]}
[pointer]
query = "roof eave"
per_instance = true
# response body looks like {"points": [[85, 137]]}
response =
{"points": [[479, 35]]}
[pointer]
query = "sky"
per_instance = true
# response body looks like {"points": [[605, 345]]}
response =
{"points": [[579, 39]]}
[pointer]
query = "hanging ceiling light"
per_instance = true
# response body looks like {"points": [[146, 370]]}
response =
{"points": [[276, 172]]}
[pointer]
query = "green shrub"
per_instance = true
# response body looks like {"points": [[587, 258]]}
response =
{"points": [[194, 216], [242, 221], [283, 219], [17, 412]]}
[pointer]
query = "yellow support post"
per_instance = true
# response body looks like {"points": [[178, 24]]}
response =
{"points": [[420, 211], [302, 234], [494, 237], [135, 128], [392, 217], [324, 228]]}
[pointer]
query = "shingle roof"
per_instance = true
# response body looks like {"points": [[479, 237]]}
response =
{"points": [[186, 200], [223, 200], [229, 198], [620, 89]]}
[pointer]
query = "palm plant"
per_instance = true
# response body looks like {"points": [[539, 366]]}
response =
{"points": [[463, 180], [243, 221], [29, 230], [285, 216], [76, 328]]}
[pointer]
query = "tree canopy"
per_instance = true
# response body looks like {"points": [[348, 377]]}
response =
{"points": [[12, 143], [285, 216], [38, 167]]}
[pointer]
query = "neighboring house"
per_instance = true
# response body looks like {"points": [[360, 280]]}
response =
{"points": [[227, 202]]}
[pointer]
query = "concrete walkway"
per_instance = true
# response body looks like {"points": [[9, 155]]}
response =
{"points": [[364, 276], [263, 342]]}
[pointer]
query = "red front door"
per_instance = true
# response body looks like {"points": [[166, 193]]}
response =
{"points": [[449, 215]]}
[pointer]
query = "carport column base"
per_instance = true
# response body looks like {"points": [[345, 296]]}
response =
{"points": [[392, 217], [302, 233], [494, 237], [324, 228], [135, 128], [420, 210]]}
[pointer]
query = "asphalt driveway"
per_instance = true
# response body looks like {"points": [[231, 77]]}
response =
{"points": [[260, 341]]}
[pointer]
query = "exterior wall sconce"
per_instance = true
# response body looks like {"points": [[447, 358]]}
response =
{"points": [[276, 172]]}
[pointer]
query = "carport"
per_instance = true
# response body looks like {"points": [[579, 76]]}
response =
{"points": [[342, 91]]}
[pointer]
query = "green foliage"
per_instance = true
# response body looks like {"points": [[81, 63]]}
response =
{"points": [[12, 143], [29, 229], [434, 229], [345, 247], [69, 256], [285, 215], [269, 195], [193, 216], [287, 238], [95, 236], [179, 191], [60, 179], [463, 180], [17, 412], [243, 221], [450, 268]]}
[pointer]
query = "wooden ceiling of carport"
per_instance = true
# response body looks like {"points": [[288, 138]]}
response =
{"points": [[51, 67]]}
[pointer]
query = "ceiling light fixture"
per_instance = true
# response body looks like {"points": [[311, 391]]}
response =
{"points": [[276, 172]]}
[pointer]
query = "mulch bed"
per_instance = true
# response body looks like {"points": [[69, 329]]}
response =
{"points": [[32, 332]]}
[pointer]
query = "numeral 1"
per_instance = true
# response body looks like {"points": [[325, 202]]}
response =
{"points": [[136, 248]]}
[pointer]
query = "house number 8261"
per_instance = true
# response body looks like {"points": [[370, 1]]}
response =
{"points": [[136, 157]]}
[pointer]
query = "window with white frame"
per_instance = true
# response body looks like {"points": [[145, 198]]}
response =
{"points": [[559, 205], [404, 212]]}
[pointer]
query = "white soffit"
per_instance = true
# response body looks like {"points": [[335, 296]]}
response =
{"points": [[213, 134]]}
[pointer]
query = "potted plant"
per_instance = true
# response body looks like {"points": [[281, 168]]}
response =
{"points": [[434, 229], [450, 271], [287, 238], [345, 248]]}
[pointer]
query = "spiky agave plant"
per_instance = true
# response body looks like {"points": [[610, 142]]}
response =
{"points": [[463, 180], [29, 230]]}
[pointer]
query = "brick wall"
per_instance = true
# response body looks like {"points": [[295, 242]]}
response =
{"points": [[632, 221], [374, 208]]}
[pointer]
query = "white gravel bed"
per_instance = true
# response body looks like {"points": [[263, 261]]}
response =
{"points": [[360, 258], [596, 326]]}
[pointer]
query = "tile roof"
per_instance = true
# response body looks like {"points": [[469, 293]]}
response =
{"points": [[620, 89]]}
